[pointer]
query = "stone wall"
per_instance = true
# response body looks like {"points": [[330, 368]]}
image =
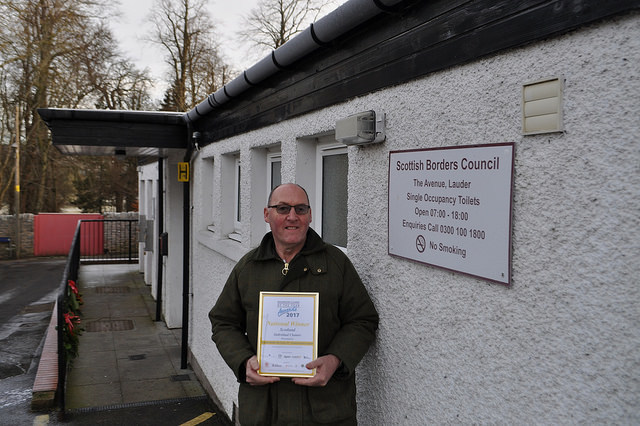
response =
{"points": [[8, 229]]}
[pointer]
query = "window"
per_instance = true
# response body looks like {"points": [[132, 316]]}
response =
{"points": [[334, 197], [322, 168], [237, 198], [265, 173], [209, 219], [274, 170], [237, 192], [331, 200], [274, 175], [230, 209]]}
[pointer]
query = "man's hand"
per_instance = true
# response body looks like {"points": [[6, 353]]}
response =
{"points": [[325, 367], [251, 375]]}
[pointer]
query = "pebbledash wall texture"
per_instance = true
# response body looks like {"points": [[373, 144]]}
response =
{"points": [[561, 344]]}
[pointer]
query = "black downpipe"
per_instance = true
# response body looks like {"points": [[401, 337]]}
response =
{"points": [[186, 249], [159, 256], [185, 275]]}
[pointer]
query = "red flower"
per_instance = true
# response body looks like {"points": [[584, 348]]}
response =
{"points": [[71, 320], [74, 289], [73, 286]]}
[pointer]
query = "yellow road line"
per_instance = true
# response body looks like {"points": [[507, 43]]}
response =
{"points": [[201, 418], [42, 420]]}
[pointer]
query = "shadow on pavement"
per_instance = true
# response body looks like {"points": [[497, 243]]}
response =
{"points": [[190, 411]]}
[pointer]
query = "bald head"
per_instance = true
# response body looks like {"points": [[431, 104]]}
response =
{"points": [[286, 184]]}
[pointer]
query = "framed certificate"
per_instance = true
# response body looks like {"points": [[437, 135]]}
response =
{"points": [[287, 333]]}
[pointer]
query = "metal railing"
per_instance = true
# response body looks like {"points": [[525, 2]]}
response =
{"points": [[109, 241], [70, 274], [94, 241]]}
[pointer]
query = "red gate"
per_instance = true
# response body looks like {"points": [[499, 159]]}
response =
{"points": [[53, 234]]}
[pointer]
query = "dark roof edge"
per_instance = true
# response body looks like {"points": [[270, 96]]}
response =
{"points": [[116, 116]]}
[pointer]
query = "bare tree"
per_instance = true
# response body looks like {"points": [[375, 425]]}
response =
{"points": [[108, 183], [185, 31], [56, 53], [273, 22], [115, 82], [7, 165]]}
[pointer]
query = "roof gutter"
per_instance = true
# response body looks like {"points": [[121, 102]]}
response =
{"points": [[324, 31]]}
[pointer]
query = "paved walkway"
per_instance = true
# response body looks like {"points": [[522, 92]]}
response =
{"points": [[125, 357]]}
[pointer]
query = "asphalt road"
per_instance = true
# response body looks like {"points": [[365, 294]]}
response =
{"points": [[25, 282], [27, 293]]}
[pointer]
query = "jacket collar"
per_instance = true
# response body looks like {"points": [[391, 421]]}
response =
{"points": [[267, 248]]}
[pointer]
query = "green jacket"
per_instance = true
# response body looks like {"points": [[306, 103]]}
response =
{"points": [[347, 324]]}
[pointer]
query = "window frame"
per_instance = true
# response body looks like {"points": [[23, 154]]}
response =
{"points": [[325, 149], [272, 157], [236, 235]]}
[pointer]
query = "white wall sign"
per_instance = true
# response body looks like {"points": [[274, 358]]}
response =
{"points": [[451, 207]]}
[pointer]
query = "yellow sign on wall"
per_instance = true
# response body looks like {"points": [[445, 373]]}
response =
{"points": [[183, 172]]}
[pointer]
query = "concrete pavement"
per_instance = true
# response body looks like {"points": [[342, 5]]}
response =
{"points": [[127, 361]]}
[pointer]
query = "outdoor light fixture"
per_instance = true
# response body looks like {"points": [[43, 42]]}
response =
{"points": [[196, 140], [361, 129], [120, 153]]}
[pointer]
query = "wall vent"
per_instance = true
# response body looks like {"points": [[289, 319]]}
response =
{"points": [[542, 106]]}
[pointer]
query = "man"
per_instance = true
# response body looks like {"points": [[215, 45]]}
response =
{"points": [[293, 258]]}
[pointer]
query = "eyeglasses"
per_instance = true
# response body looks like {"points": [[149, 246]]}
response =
{"points": [[300, 209]]}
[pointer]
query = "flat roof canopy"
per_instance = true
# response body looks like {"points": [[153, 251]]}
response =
{"points": [[108, 132]]}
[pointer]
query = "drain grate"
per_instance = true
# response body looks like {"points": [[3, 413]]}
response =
{"points": [[109, 325], [162, 402], [180, 378], [113, 290]]}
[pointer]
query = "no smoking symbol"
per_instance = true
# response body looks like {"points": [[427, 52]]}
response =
{"points": [[421, 244]]}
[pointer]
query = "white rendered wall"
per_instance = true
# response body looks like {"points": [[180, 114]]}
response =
{"points": [[172, 286], [173, 225], [141, 215], [148, 178], [561, 345]]}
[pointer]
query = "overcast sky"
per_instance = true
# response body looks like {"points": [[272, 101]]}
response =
{"points": [[132, 27]]}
